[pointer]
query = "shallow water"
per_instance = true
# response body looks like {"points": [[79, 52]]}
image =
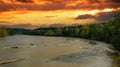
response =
{"points": [[40, 51]]}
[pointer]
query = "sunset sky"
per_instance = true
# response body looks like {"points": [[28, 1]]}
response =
{"points": [[44, 13]]}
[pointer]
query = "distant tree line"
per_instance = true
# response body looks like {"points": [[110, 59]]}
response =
{"points": [[108, 32]]}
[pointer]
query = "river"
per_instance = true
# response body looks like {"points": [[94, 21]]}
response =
{"points": [[42, 51]]}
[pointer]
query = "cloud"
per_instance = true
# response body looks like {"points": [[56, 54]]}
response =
{"points": [[4, 22], [59, 1], [25, 1], [105, 16], [114, 1], [31, 7], [86, 16], [45, 5], [27, 26], [101, 16], [16, 1]]}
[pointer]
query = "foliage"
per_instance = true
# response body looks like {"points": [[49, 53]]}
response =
{"points": [[116, 61], [3, 32], [6, 31]]}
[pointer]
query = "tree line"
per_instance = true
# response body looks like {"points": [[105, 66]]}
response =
{"points": [[107, 32]]}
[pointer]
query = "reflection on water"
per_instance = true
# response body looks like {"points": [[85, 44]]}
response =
{"points": [[40, 51]]}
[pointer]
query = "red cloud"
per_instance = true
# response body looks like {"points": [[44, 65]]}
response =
{"points": [[36, 5]]}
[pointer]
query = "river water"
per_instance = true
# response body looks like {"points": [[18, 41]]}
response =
{"points": [[41, 51]]}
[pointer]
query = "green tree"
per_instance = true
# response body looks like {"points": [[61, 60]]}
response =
{"points": [[49, 32], [3, 32]]}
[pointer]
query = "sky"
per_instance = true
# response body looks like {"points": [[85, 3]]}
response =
{"points": [[46, 13]]}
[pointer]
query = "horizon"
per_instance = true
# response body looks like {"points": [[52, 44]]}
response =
{"points": [[44, 13]]}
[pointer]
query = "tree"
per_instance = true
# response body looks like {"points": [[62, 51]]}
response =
{"points": [[3, 32]]}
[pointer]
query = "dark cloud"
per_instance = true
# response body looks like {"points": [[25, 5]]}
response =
{"points": [[25, 1], [86, 16], [114, 1], [92, 1], [101, 16], [104, 16], [102, 1]]}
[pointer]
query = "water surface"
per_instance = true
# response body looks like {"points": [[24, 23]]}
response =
{"points": [[41, 51]]}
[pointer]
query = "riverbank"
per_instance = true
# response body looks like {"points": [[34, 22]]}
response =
{"points": [[116, 60]]}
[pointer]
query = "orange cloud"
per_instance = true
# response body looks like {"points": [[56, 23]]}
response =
{"points": [[4, 22], [41, 5], [56, 12]]}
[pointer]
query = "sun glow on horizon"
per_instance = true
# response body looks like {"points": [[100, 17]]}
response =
{"points": [[64, 16]]}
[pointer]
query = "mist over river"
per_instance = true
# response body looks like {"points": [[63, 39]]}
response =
{"points": [[43, 51]]}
